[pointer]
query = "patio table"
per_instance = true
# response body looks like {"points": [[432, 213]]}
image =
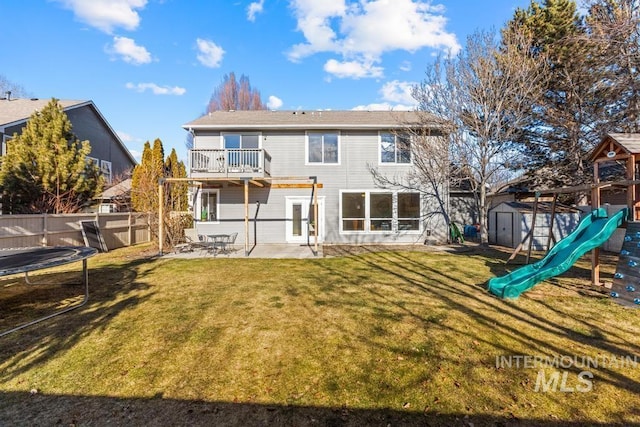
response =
{"points": [[218, 242]]}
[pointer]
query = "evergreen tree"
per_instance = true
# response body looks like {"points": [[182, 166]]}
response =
{"points": [[46, 169], [613, 28], [177, 194], [571, 117], [145, 177], [144, 189]]}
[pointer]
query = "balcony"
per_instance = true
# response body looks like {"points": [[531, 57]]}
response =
{"points": [[230, 163]]}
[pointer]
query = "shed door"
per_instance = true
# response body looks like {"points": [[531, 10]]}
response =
{"points": [[504, 229]]}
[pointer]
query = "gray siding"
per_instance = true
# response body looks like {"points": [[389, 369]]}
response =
{"points": [[88, 125], [358, 152]]}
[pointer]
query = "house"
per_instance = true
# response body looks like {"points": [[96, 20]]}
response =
{"points": [[268, 175], [107, 150]]}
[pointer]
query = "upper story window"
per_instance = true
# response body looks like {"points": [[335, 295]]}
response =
{"points": [[245, 141], [105, 169], [242, 141], [395, 148], [323, 148]]}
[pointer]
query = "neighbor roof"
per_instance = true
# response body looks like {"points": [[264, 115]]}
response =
{"points": [[20, 109], [324, 119]]}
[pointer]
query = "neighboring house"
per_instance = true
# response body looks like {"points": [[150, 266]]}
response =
{"points": [[116, 198], [256, 172], [107, 150]]}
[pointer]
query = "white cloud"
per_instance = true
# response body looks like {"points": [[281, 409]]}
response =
{"points": [[210, 53], [384, 106], [352, 69], [405, 66], [363, 31], [396, 95], [129, 51], [156, 89], [106, 15], [274, 102], [253, 9], [397, 91], [125, 137]]}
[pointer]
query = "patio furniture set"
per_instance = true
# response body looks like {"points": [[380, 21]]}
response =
{"points": [[211, 243]]}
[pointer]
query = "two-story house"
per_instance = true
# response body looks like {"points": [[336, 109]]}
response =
{"points": [[107, 150], [267, 174]]}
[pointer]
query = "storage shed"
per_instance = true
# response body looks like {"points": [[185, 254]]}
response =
{"points": [[509, 223]]}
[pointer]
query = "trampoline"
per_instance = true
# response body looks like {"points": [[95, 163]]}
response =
{"points": [[25, 260]]}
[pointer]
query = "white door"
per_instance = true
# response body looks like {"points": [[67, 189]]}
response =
{"points": [[299, 220]]}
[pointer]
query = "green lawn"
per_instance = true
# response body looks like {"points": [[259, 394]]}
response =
{"points": [[393, 337]]}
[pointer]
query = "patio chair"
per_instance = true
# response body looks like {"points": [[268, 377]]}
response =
{"points": [[195, 240], [231, 241]]}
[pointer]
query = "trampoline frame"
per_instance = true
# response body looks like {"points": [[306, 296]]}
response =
{"points": [[81, 254]]}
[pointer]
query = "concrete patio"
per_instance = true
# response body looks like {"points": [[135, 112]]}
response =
{"points": [[259, 251]]}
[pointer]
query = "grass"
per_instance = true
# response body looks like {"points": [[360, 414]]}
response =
{"points": [[388, 337]]}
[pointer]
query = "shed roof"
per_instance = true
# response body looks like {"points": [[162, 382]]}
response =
{"points": [[325, 119]]}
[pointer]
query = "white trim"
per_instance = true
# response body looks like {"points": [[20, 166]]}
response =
{"points": [[306, 201], [105, 169], [198, 205], [323, 163], [367, 213], [395, 162], [258, 134]]}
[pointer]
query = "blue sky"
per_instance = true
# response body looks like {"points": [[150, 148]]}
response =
{"points": [[150, 66]]}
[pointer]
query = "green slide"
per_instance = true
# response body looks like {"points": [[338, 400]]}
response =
{"points": [[592, 231]]}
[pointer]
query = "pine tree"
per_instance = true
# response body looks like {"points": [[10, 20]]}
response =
{"points": [[568, 120], [145, 178], [177, 194], [144, 189], [46, 169]]}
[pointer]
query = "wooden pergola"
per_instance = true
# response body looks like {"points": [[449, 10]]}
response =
{"points": [[293, 182]]}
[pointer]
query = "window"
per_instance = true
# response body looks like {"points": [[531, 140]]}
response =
{"points": [[105, 168], [207, 207], [377, 211], [395, 148], [244, 141], [353, 211], [238, 143], [93, 160], [408, 211], [323, 148], [381, 211]]}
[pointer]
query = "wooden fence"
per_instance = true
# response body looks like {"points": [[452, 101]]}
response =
{"points": [[118, 229]]}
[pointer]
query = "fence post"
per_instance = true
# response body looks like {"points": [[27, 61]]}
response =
{"points": [[43, 241], [130, 230]]}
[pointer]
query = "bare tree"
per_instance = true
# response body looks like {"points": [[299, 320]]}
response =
{"points": [[484, 94], [430, 172], [16, 90], [234, 95]]}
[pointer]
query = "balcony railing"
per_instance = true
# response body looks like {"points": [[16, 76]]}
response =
{"points": [[231, 162]]}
